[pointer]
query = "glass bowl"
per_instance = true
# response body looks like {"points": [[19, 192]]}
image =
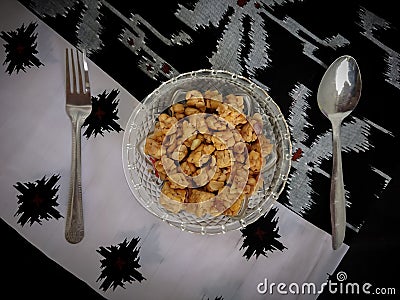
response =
{"points": [[146, 186]]}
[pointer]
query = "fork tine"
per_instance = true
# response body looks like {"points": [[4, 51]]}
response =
{"points": [[67, 77], [86, 72], [73, 72], [80, 90]]}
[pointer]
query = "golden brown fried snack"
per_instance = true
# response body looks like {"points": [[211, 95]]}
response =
{"points": [[195, 148]]}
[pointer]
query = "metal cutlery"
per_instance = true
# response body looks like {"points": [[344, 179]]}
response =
{"points": [[338, 94], [78, 107]]}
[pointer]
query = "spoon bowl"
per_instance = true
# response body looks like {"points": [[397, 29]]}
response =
{"points": [[338, 94], [340, 87]]}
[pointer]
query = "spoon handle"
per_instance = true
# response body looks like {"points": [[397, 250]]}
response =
{"points": [[337, 200]]}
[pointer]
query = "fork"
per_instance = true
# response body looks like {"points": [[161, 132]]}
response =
{"points": [[78, 107]]}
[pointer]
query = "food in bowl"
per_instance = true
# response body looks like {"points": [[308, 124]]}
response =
{"points": [[208, 153]]}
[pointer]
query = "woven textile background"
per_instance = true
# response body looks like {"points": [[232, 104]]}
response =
{"points": [[285, 46]]}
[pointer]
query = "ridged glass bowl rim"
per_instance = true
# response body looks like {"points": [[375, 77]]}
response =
{"points": [[274, 191]]}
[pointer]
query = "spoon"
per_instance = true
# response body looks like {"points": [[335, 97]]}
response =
{"points": [[338, 94]]}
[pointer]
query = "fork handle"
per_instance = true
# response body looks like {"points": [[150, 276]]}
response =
{"points": [[74, 228]]}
